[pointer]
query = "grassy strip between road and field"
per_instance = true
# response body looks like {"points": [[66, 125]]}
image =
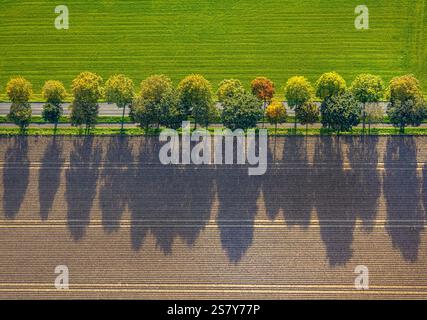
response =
{"points": [[117, 120], [154, 132]]}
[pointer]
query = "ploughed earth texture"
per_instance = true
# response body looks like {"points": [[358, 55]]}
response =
{"points": [[127, 226]]}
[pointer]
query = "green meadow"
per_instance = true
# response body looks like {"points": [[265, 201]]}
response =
{"points": [[217, 38]]}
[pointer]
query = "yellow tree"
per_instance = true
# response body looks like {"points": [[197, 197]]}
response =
{"points": [[298, 90], [119, 90], [54, 93], [276, 114], [19, 91]]}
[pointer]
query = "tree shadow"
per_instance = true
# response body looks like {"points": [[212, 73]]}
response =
{"points": [[16, 173], [333, 200], [172, 201], [405, 217], [81, 184], [364, 178], [237, 196], [115, 178], [287, 183], [50, 176]]}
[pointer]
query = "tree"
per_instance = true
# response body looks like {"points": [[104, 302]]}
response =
{"points": [[406, 102], [119, 90], [171, 115], [330, 84], [340, 112], [405, 88], [276, 113], [54, 93], [241, 111], [155, 87], [367, 88], [195, 96], [374, 114], [19, 91], [408, 112], [308, 113], [263, 88], [145, 112], [228, 88], [298, 90], [155, 96], [20, 114], [87, 90]]}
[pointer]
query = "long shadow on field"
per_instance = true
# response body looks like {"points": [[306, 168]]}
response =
{"points": [[364, 178], [171, 202], [115, 178], [50, 176], [405, 218], [81, 183], [16, 174], [287, 184], [237, 195], [334, 192]]}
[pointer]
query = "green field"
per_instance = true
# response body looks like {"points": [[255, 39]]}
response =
{"points": [[218, 38]]}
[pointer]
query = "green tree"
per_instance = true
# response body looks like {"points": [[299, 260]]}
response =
{"points": [[330, 84], [307, 113], [195, 96], [228, 88], [155, 90], [406, 102], [20, 114], [19, 91], [367, 88], [241, 111], [119, 90], [298, 90], [276, 114], [340, 112], [171, 115], [263, 88], [408, 112], [87, 90], [54, 93], [145, 112]]}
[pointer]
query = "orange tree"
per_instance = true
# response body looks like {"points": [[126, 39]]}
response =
{"points": [[263, 88]]}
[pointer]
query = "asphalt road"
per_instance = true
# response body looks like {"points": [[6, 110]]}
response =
{"points": [[128, 227], [105, 109]]}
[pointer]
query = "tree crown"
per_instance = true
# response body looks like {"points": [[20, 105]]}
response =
{"points": [[228, 88], [298, 90], [367, 88], [87, 86], [19, 90], [330, 84], [54, 92], [263, 88], [119, 90]]}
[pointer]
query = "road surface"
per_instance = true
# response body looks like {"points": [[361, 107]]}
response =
{"points": [[128, 227]]}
